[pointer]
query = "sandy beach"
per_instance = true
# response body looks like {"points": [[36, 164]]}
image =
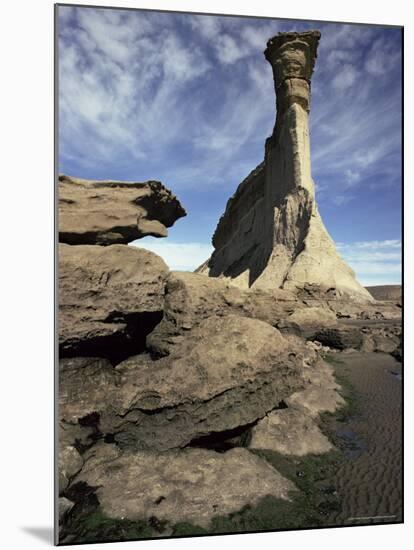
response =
{"points": [[369, 482]]}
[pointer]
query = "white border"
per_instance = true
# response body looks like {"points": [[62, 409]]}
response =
{"points": [[27, 269]]}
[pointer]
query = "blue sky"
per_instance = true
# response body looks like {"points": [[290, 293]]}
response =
{"points": [[188, 100]]}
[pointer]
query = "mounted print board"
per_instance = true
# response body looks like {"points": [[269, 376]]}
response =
{"points": [[228, 260]]}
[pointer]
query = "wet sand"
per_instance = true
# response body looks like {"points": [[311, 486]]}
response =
{"points": [[369, 483]]}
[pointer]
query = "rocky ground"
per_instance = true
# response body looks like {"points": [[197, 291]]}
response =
{"points": [[188, 405]]}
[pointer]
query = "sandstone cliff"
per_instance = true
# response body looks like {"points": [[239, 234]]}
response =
{"points": [[271, 234]]}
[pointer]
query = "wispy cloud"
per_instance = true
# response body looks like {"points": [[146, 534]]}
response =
{"points": [[374, 262], [116, 84]]}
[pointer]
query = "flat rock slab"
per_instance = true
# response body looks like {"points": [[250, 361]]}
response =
{"points": [[228, 372], [110, 298], [289, 432], [191, 485], [114, 212]]}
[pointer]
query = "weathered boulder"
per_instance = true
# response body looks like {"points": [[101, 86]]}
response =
{"points": [[190, 485], [189, 299], [114, 212], [70, 463], [86, 387], [228, 372], [312, 317], [65, 506], [110, 298], [289, 431], [385, 338], [75, 434], [192, 297], [321, 391]]}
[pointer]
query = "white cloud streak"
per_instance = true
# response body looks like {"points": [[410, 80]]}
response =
{"points": [[374, 262], [178, 256], [189, 99]]}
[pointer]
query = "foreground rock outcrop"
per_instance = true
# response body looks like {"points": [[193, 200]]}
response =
{"points": [[321, 393], [114, 212], [192, 485], [271, 234], [191, 297], [229, 372], [110, 298], [290, 431]]}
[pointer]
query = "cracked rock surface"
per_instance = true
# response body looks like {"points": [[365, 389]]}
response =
{"points": [[228, 372], [110, 298], [191, 297], [191, 485]]}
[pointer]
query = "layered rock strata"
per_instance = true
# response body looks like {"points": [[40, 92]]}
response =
{"points": [[110, 298], [114, 212], [190, 298], [271, 234], [227, 373]]}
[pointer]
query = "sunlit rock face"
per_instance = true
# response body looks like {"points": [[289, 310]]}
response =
{"points": [[114, 212], [271, 234]]}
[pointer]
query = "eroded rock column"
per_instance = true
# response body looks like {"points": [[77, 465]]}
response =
{"points": [[271, 234], [292, 57]]}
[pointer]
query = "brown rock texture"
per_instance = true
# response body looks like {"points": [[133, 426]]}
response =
{"points": [[86, 386], [312, 316], [114, 212], [228, 372], [192, 485], [191, 297], [290, 432], [320, 394], [70, 463], [110, 298], [271, 234]]}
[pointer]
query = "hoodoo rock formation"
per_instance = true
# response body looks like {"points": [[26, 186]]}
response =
{"points": [[271, 234]]}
